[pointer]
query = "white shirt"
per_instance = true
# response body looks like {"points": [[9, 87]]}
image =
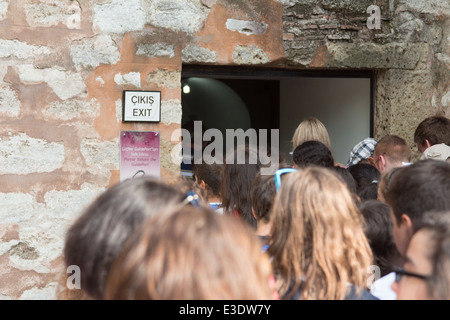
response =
{"points": [[381, 288]]}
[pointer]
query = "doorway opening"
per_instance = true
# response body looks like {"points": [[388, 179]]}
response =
{"points": [[244, 97]]}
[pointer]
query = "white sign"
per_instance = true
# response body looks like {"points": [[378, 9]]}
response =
{"points": [[142, 106]]}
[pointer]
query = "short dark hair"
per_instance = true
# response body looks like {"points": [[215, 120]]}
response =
{"points": [[366, 177], [435, 129], [346, 176], [418, 188], [211, 174], [313, 153], [378, 229], [263, 194]]}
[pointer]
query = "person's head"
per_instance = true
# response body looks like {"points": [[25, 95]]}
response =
{"points": [[366, 177], [185, 185], [312, 152], [439, 151], [432, 130], [191, 254], [378, 229], [311, 129], [362, 152], [425, 274], [317, 234], [385, 182], [390, 152], [424, 186], [97, 236], [347, 177], [262, 195], [208, 177], [237, 178]]}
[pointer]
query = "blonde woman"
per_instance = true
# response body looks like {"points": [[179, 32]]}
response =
{"points": [[318, 246], [192, 254], [310, 129]]}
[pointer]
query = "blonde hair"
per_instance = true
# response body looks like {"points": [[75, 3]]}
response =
{"points": [[311, 129], [192, 254], [318, 235]]}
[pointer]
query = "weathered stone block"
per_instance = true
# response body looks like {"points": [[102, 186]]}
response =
{"points": [[247, 27], [181, 15], [69, 204], [91, 52], [3, 9], [21, 154], [72, 109], [101, 153], [249, 55], [435, 7], [16, 207], [171, 111], [404, 101], [114, 16], [132, 78], [65, 84], [374, 56], [21, 50], [155, 50], [193, 53], [46, 293], [9, 102], [165, 79], [49, 13]]}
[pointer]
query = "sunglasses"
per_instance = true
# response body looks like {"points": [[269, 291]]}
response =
{"points": [[400, 272], [278, 175]]}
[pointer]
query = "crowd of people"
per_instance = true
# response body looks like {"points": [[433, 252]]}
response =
{"points": [[375, 228]]}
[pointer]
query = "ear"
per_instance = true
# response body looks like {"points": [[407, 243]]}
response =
{"points": [[383, 160], [371, 160], [427, 144], [407, 222], [253, 212], [203, 185]]}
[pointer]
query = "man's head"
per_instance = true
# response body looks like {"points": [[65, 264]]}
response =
{"points": [[431, 131], [391, 152], [415, 190]]}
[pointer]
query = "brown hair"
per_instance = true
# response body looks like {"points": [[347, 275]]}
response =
{"points": [[98, 235], [318, 234], [435, 129], [236, 184], [211, 174], [263, 194], [437, 226], [191, 254], [421, 187]]}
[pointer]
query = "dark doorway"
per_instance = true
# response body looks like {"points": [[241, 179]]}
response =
{"points": [[280, 99]]}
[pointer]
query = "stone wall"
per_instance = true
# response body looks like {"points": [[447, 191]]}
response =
{"points": [[64, 65], [410, 53]]}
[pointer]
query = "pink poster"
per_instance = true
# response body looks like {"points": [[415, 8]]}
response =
{"points": [[139, 154]]}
